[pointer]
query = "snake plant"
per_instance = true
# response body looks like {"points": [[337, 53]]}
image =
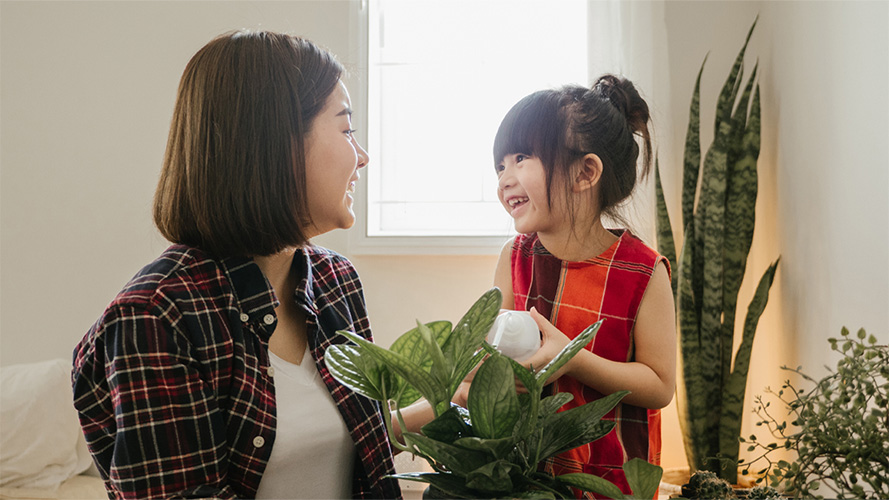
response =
{"points": [[708, 274], [492, 448]]}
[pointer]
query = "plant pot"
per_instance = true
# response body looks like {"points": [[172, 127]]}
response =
{"points": [[675, 479]]}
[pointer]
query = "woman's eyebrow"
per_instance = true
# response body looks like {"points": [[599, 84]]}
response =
{"points": [[346, 111]]}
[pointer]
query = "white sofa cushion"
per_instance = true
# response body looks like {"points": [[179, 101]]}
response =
{"points": [[41, 444]]}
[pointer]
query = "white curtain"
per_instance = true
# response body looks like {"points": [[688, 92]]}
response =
{"points": [[629, 38]]}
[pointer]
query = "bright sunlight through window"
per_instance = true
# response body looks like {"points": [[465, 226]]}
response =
{"points": [[442, 74]]}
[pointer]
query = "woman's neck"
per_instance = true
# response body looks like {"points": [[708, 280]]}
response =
{"points": [[577, 244], [277, 269]]}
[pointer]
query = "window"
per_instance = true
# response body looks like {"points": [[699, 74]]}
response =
{"points": [[441, 76]]}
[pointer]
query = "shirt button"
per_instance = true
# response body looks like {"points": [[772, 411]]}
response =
{"points": [[268, 319], [244, 318], [271, 371], [258, 441]]}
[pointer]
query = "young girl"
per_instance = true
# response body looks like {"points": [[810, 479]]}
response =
{"points": [[564, 159], [205, 375]]}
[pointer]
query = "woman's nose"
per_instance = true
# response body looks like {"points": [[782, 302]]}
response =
{"points": [[363, 157]]}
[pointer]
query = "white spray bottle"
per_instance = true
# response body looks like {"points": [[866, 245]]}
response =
{"points": [[515, 334]]}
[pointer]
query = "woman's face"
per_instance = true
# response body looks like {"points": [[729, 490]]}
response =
{"points": [[333, 158]]}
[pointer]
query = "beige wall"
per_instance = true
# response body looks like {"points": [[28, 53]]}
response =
{"points": [[87, 93]]}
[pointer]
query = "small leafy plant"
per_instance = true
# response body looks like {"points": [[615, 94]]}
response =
{"points": [[492, 448], [839, 430]]}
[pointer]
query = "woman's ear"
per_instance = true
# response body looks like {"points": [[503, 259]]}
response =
{"points": [[588, 173]]}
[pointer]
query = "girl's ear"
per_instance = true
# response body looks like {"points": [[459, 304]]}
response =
{"points": [[588, 174]]}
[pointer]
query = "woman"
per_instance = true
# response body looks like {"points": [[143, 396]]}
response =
{"points": [[205, 376]]}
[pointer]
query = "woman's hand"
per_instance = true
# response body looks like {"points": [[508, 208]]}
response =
{"points": [[553, 341]]}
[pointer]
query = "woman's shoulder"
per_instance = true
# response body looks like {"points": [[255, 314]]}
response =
{"points": [[179, 270]]}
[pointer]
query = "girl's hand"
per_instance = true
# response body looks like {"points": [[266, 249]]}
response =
{"points": [[553, 341]]}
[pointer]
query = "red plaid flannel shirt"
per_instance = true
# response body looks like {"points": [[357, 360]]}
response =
{"points": [[172, 385]]}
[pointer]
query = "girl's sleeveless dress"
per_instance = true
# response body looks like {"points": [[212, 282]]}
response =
{"points": [[574, 295]]}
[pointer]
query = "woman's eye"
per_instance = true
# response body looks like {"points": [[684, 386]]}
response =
{"points": [[349, 132]]}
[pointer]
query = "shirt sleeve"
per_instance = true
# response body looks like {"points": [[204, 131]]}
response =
{"points": [[151, 421]]}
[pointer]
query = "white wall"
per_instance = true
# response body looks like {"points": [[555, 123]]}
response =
{"points": [[87, 93], [823, 170]]}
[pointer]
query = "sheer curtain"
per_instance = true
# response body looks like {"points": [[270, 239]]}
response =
{"points": [[633, 43]]}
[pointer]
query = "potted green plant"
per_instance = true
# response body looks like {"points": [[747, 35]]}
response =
{"points": [[718, 231], [839, 430], [492, 448]]}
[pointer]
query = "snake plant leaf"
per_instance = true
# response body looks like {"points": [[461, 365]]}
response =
{"points": [[449, 426], [493, 477], [492, 399], [692, 158], [665, 243], [362, 374], [740, 204], [692, 403], [411, 372], [642, 477], [729, 92], [596, 484], [568, 352], [735, 388], [460, 461]]}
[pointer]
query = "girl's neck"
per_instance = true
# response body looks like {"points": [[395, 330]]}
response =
{"points": [[578, 244]]}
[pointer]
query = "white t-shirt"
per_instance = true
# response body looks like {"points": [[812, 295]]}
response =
{"points": [[313, 454]]}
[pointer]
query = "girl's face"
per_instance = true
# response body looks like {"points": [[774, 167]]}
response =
{"points": [[333, 158], [522, 191]]}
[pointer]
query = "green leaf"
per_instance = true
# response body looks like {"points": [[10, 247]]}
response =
{"points": [[736, 385], [665, 243], [492, 477], [411, 372], [497, 448], [492, 399], [589, 482], [551, 404], [413, 348], [568, 352], [449, 426], [642, 477], [692, 158], [577, 426], [458, 460], [450, 484], [441, 368], [362, 374], [473, 327]]}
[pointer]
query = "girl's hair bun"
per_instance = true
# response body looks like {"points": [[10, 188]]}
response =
{"points": [[622, 94]]}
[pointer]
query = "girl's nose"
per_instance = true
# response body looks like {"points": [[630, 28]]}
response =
{"points": [[505, 179]]}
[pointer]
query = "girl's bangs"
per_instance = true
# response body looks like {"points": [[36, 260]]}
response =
{"points": [[531, 127]]}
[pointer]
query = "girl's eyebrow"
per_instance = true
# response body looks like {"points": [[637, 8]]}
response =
{"points": [[346, 111]]}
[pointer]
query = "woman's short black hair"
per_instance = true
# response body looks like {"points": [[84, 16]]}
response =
{"points": [[233, 178]]}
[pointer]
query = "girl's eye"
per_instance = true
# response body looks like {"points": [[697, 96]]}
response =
{"points": [[520, 158], [499, 168]]}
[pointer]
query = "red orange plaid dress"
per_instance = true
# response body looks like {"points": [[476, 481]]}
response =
{"points": [[574, 295]]}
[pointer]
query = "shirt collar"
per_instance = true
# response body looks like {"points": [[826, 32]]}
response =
{"points": [[254, 294]]}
